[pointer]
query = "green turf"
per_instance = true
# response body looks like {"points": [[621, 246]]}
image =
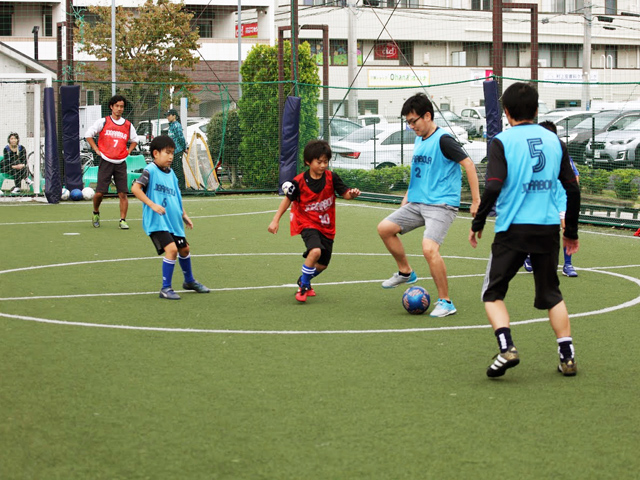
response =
{"points": [[245, 383]]}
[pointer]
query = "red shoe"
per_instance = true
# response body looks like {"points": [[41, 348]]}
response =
{"points": [[302, 293], [310, 291]]}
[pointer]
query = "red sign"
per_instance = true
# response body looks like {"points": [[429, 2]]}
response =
{"points": [[248, 30], [386, 51]]}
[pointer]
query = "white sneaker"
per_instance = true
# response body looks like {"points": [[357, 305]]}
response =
{"points": [[443, 308], [398, 279], [29, 181], [15, 190]]}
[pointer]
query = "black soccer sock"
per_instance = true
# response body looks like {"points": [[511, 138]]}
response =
{"points": [[404, 274], [565, 348], [503, 335]]}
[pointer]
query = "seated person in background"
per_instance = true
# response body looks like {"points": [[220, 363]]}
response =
{"points": [[14, 162]]}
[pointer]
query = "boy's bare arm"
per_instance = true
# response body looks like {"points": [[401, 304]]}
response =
{"points": [[275, 223], [351, 194], [138, 192]]}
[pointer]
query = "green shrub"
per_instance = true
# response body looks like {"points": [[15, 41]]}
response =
{"points": [[592, 180], [382, 180], [625, 184]]}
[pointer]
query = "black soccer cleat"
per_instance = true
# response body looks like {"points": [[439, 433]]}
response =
{"points": [[503, 361]]}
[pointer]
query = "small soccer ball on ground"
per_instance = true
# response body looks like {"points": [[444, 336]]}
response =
{"points": [[76, 194], [88, 193], [416, 300], [65, 194]]}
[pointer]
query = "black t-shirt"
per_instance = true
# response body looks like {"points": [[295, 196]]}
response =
{"points": [[317, 185]]}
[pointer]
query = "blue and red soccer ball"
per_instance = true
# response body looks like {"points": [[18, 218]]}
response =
{"points": [[416, 300]]}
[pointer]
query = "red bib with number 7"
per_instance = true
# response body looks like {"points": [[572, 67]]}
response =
{"points": [[113, 138]]}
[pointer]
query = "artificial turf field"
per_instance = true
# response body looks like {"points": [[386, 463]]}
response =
{"points": [[101, 379]]}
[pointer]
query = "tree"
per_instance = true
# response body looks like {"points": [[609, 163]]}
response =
{"points": [[155, 44], [259, 110]]}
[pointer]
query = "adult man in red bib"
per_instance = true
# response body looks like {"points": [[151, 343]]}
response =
{"points": [[114, 132]]}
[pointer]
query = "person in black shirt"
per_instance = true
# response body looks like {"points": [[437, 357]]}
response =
{"points": [[524, 165]]}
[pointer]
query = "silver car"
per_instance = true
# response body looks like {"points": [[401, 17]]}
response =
{"points": [[616, 148]]}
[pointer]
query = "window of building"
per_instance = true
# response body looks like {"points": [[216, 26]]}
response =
{"points": [[511, 55], [367, 107], [6, 20], [562, 6], [481, 5], [478, 54], [459, 59], [47, 21], [560, 56], [84, 17], [611, 55], [337, 51], [202, 20], [611, 7], [406, 55]]}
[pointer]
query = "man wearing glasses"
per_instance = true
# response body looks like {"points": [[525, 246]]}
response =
{"points": [[432, 200]]}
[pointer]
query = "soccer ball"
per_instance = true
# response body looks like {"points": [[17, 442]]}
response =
{"points": [[88, 193], [65, 194], [287, 188], [416, 300], [76, 194]]}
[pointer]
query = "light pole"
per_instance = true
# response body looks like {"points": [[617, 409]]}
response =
{"points": [[352, 61], [586, 56]]}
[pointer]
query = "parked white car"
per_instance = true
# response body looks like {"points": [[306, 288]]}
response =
{"points": [[477, 116], [388, 146]]}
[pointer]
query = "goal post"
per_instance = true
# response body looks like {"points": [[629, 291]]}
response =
{"points": [[23, 97]]}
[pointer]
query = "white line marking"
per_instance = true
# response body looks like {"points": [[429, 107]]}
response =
{"points": [[627, 304]]}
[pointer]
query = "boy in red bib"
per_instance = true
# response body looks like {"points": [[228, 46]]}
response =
{"points": [[313, 214]]}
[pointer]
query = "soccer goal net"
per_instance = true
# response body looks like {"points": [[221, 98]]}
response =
{"points": [[22, 95]]}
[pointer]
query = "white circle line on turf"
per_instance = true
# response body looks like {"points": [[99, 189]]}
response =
{"points": [[627, 304]]}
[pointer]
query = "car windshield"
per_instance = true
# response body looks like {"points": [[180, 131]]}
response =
{"points": [[482, 112], [363, 135], [449, 115], [601, 121], [635, 126]]}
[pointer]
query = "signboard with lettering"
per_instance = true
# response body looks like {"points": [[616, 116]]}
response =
{"points": [[396, 77], [249, 30], [385, 51]]}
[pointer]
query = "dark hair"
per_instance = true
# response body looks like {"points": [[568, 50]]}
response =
{"points": [[521, 100], [117, 98], [549, 125], [13, 134], [161, 142], [315, 149], [419, 103]]}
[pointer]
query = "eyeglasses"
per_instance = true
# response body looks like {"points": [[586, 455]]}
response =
{"points": [[412, 121]]}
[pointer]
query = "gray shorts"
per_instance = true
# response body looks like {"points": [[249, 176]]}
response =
{"points": [[436, 219]]}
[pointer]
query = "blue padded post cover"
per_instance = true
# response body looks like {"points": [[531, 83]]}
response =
{"points": [[52, 183], [492, 108], [70, 105], [290, 138]]}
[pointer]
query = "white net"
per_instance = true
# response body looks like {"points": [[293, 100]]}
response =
{"points": [[200, 172], [23, 97]]}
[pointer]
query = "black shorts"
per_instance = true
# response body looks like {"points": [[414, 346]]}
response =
{"points": [[314, 239], [508, 251], [107, 171], [163, 238]]}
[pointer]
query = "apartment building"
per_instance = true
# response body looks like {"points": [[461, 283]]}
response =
{"points": [[424, 42]]}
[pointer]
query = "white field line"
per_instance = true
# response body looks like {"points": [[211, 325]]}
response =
{"points": [[627, 304]]}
